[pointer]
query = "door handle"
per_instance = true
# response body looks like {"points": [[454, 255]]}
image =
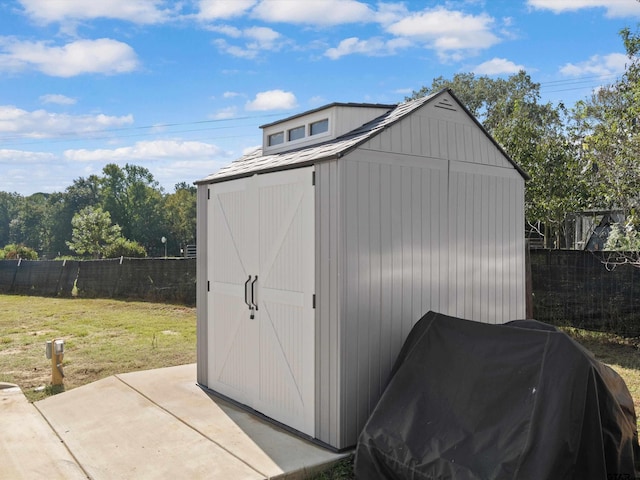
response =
{"points": [[254, 301], [245, 292]]}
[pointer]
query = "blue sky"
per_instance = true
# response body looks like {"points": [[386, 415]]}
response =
{"points": [[181, 87]]}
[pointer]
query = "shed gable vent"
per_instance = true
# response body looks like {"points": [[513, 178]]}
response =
{"points": [[446, 103]]}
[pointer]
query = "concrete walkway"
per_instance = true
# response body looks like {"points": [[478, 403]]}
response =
{"points": [[150, 424]]}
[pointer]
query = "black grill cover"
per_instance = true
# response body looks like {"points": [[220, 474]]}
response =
{"points": [[468, 400]]}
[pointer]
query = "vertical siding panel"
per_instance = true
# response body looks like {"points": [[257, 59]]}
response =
{"points": [[501, 236], [442, 140], [475, 250], [518, 243], [375, 316], [470, 241], [459, 237], [363, 297], [327, 344], [452, 146], [460, 142], [515, 267], [350, 308], [453, 247], [434, 138], [439, 262], [425, 140], [427, 232], [493, 248], [468, 143], [386, 280], [418, 191], [202, 319], [396, 258], [407, 253], [416, 135], [484, 317]]}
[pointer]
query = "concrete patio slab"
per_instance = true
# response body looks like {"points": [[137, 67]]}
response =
{"points": [[160, 424]]}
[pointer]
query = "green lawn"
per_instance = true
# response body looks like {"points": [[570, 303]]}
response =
{"points": [[102, 338]]}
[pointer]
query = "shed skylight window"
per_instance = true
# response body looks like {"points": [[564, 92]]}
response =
{"points": [[296, 133], [319, 127], [276, 139]]}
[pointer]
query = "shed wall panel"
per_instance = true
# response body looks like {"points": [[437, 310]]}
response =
{"points": [[487, 264], [202, 350], [393, 239], [328, 315]]}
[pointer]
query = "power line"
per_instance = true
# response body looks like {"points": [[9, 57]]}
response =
{"points": [[18, 139]]}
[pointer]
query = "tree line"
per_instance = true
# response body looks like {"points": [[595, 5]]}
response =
{"points": [[122, 211], [579, 159]]}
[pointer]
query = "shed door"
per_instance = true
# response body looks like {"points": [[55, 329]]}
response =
{"points": [[262, 252]]}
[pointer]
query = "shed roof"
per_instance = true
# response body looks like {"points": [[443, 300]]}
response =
{"points": [[255, 162]]}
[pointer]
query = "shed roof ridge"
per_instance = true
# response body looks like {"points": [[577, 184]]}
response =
{"points": [[256, 161]]}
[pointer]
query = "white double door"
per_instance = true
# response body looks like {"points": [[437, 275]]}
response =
{"points": [[261, 330]]}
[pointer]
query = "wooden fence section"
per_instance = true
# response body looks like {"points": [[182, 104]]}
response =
{"points": [[583, 289], [167, 280]]}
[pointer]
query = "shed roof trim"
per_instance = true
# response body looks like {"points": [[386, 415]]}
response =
{"points": [[331, 105], [255, 162]]}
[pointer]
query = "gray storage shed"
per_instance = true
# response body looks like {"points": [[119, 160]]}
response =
{"points": [[319, 251]]}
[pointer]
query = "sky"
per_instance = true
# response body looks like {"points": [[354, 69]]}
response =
{"points": [[182, 87]]}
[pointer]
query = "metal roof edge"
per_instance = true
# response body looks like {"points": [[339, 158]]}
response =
{"points": [[278, 168]]}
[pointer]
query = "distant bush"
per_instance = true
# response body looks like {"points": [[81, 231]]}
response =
{"points": [[122, 247], [14, 252]]}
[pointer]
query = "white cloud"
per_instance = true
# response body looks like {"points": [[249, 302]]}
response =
{"points": [[57, 99], [447, 30], [24, 157], [326, 12], [136, 11], [228, 30], [147, 151], [498, 66], [612, 64], [614, 8], [234, 50], [225, 113], [104, 56], [259, 39], [273, 100], [372, 47], [223, 9], [231, 94], [43, 124], [389, 13]]}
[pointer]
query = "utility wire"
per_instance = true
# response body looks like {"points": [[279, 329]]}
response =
{"points": [[551, 86]]}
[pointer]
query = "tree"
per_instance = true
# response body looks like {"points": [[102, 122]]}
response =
{"points": [[14, 252], [32, 224], [93, 232], [606, 127], [180, 212], [9, 206], [134, 199], [122, 247]]}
